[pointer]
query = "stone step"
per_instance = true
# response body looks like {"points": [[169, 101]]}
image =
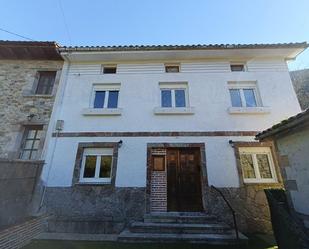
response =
{"points": [[219, 239], [176, 217], [177, 228]]}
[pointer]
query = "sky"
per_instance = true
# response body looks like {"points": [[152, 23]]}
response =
{"points": [[154, 22]]}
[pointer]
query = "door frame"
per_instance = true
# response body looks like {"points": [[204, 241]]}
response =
{"points": [[204, 179]]}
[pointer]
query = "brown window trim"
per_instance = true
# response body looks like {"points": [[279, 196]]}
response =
{"points": [[79, 157], [237, 145]]}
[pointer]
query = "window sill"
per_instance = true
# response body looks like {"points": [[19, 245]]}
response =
{"points": [[260, 182], [47, 96], [94, 183], [102, 112], [249, 110], [174, 111]]}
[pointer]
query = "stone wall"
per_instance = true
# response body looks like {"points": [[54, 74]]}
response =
{"points": [[250, 205], [17, 184], [17, 101], [93, 208], [300, 79]]}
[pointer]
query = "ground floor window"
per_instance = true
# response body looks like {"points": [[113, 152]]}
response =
{"points": [[257, 165], [31, 142], [97, 165]]}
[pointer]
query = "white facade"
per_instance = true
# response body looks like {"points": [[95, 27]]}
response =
{"points": [[209, 102]]}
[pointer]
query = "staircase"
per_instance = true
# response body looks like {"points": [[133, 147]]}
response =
{"points": [[180, 227]]}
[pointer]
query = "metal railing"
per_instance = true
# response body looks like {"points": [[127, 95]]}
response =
{"points": [[230, 207]]}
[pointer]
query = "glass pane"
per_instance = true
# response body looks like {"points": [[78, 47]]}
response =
{"points": [[180, 98], [237, 68], [108, 70], [31, 134], [264, 166], [112, 99], [106, 165], [34, 154], [172, 69], [166, 98], [25, 154], [247, 165], [249, 97], [90, 164], [235, 97], [46, 82], [39, 134], [36, 144], [99, 99], [28, 144]]}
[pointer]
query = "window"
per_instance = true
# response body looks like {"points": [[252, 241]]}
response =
{"points": [[45, 84], [257, 165], [237, 67], [172, 68], [109, 69], [31, 141], [106, 99], [244, 95], [173, 95], [158, 163], [97, 165]]}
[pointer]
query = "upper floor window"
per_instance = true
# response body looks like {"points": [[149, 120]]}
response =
{"points": [[45, 84], [174, 95], [172, 68], [244, 95], [238, 67], [106, 96], [31, 141], [97, 165], [257, 164], [109, 69]]}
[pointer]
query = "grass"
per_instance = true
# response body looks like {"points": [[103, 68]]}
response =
{"points": [[254, 243]]}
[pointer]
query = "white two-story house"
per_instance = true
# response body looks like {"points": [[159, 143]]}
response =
{"points": [[145, 129]]}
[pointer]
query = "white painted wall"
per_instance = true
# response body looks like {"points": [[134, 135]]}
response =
{"points": [[132, 156], [139, 95]]}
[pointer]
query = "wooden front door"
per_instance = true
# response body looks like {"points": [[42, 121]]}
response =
{"points": [[184, 180]]}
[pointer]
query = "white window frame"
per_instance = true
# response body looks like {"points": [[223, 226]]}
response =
{"points": [[259, 150], [245, 85], [107, 88], [172, 87], [98, 152]]}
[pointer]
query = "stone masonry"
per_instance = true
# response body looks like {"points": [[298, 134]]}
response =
{"points": [[17, 101]]}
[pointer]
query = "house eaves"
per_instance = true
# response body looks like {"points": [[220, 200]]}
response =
{"points": [[291, 124], [285, 51]]}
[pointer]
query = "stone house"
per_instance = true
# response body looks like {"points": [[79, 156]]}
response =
{"points": [[143, 132], [300, 79], [29, 77], [291, 138]]}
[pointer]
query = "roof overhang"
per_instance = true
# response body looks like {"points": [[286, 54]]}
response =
{"points": [[292, 124], [24, 50], [146, 53]]}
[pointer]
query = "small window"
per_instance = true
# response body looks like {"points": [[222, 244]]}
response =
{"points": [[97, 165], [172, 68], [45, 84], [106, 99], [257, 164], [237, 67], [109, 69], [31, 141], [243, 95]]}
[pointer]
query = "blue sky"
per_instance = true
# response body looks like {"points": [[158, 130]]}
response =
{"points": [[124, 22]]}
